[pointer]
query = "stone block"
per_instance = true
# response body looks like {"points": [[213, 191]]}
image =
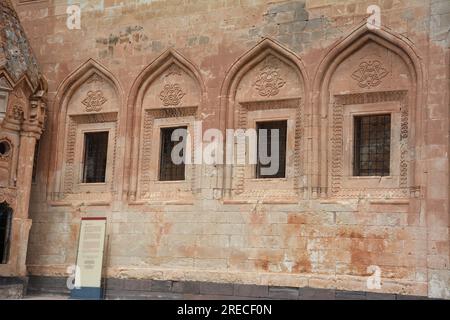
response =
{"points": [[190, 287], [253, 291], [285, 293], [225, 289]]}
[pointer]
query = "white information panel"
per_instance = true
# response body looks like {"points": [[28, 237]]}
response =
{"points": [[90, 253]]}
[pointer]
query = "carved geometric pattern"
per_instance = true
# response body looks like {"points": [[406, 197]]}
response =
{"points": [[238, 176], [336, 165], [70, 156], [94, 101], [268, 82], [149, 117], [403, 144], [171, 94], [369, 74], [337, 147]]}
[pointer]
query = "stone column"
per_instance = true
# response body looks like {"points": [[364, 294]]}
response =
{"points": [[24, 176], [30, 132]]}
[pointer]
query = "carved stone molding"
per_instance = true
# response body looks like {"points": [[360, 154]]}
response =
{"points": [[94, 101], [369, 73], [337, 143], [269, 81], [74, 121], [8, 195], [149, 117], [238, 176]]}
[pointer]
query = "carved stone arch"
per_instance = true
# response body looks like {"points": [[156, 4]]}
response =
{"points": [[267, 55], [323, 98], [169, 87], [91, 106]]}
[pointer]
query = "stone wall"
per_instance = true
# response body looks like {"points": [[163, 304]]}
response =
{"points": [[316, 229]]}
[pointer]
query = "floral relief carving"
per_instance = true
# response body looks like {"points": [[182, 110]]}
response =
{"points": [[269, 81], [94, 101], [171, 94], [369, 73], [17, 112]]}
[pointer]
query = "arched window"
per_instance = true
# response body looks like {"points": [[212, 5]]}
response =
{"points": [[264, 92], [166, 98], [5, 231], [368, 90], [88, 122]]}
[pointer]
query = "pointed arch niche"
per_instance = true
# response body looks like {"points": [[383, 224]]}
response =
{"points": [[368, 73], [88, 101], [167, 94], [268, 83]]}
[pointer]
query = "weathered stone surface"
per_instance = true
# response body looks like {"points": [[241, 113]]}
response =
{"points": [[320, 227]]}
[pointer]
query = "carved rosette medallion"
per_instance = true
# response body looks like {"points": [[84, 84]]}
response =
{"points": [[171, 95], [369, 74], [94, 101], [268, 82]]}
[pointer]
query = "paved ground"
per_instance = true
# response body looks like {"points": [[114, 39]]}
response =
{"points": [[46, 297]]}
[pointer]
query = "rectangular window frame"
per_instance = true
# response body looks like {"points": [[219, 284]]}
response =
{"points": [[103, 187], [84, 150], [160, 153], [356, 163], [375, 184], [258, 166]]}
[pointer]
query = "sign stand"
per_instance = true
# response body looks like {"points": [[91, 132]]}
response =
{"points": [[89, 264]]}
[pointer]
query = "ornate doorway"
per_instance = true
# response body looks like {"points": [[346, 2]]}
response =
{"points": [[5, 231]]}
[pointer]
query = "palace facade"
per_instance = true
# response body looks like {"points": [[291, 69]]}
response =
{"points": [[363, 114]]}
